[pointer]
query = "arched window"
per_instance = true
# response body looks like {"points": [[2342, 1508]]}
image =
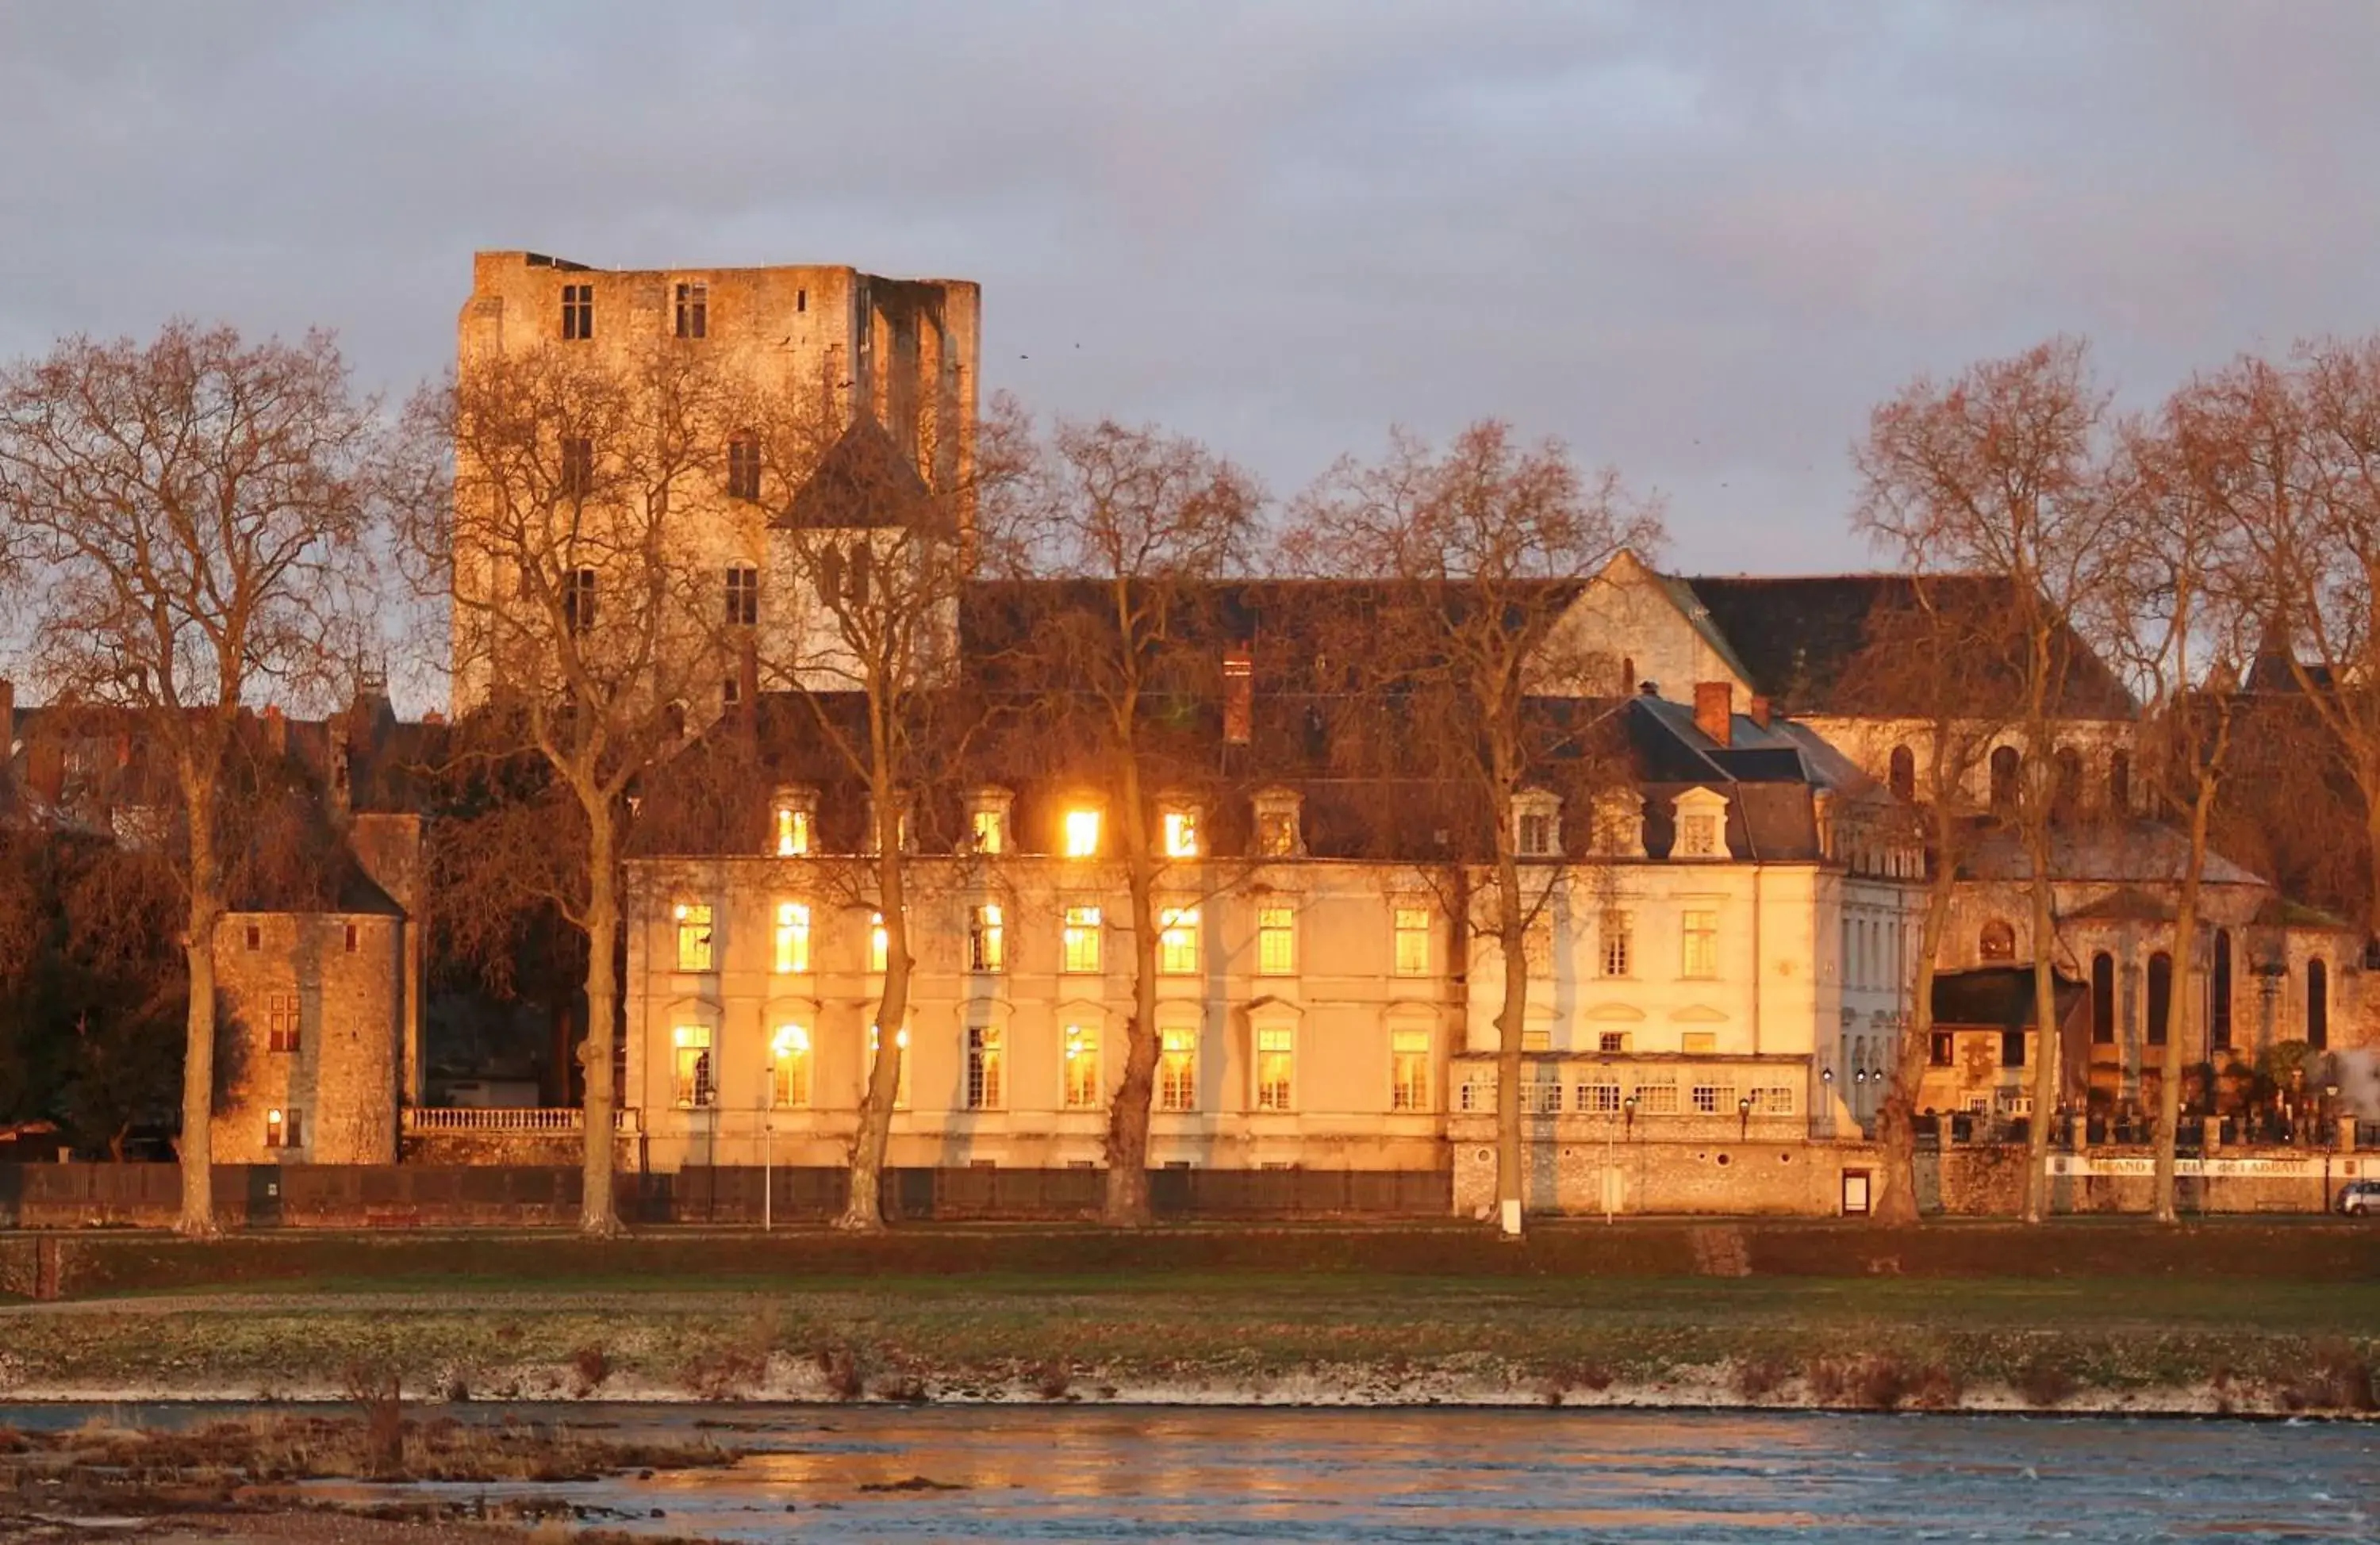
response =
{"points": [[2007, 765], [2317, 1025], [2119, 782], [1903, 777], [2219, 1011], [1998, 941], [2103, 999], [2160, 995], [2068, 799]]}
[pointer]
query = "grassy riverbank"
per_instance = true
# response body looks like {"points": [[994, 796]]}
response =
{"points": [[2243, 1317]]}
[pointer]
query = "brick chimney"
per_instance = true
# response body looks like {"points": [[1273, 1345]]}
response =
{"points": [[276, 730], [1715, 709], [1239, 696], [1760, 711]]}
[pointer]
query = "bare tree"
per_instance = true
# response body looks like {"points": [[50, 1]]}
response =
{"points": [[2002, 472], [566, 548], [1148, 521], [184, 514], [1477, 552]]}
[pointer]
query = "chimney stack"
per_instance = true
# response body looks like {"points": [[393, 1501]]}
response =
{"points": [[1715, 709], [1760, 711], [276, 730], [1239, 696]]}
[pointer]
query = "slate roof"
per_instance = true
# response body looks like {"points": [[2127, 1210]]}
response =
{"points": [[2133, 853]]}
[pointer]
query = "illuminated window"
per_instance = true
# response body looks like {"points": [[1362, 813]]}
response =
{"points": [[1413, 941], [1698, 1042], [1082, 1068], [1277, 826], [1276, 941], [1082, 833], [790, 818], [900, 1061], [1700, 956], [1177, 1070], [693, 1085], [1082, 939], [693, 935], [1537, 1040], [880, 943], [282, 1022], [983, 1072], [789, 1066], [280, 1128], [1616, 942], [1177, 941], [987, 938], [1409, 1069], [792, 938], [991, 831], [1181, 834], [1276, 1055]]}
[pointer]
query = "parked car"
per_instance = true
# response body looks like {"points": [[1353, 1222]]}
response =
{"points": [[2360, 1198]]}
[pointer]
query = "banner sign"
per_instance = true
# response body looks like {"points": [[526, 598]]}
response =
{"points": [[2342, 1167]]}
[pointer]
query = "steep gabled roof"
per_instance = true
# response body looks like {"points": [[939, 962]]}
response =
{"points": [[865, 482]]}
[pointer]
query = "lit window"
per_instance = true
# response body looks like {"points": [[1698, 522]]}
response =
{"points": [[1177, 941], [790, 1068], [792, 938], [1177, 1070], [987, 938], [693, 936], [1082, 939], [900, 1059], [991, 831], [1181, 834], [692, 1083], [1698, 836], [792, 823], [1082, 833], [694, 309], [1276, 941], [880, 943], [1413, 941], [1409, 1069], [282, 1129], [1082, 1068], [1276, 1054], [1277, 832], [1700, 958], [1616, 932], [983, 1067], [1698, 1042], [1537, 1040], [577, 312]]}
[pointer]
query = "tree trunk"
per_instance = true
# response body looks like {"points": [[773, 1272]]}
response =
{"points": [[196, 1149], [598, 1213], [863, 1210], [1127, 1146], [2050, 1053], [1511, 933], [1898, 1203], [2185, 935]]}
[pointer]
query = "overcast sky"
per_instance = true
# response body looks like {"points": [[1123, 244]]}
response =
{"points": [[1694, 238]]}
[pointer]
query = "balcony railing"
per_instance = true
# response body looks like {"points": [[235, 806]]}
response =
{"points": [[553, 1120]]}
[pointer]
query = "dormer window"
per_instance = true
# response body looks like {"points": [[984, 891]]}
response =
{"points": [[1080, 836], [900, 830], [1181, 824], [988, 820], [1701, 818], [1279, 833], [792, 817], [1619, 824], [1536, 825], [1698, 836]]}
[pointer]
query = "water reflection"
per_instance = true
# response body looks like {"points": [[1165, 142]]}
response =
{"points": [[1056, 1473]]}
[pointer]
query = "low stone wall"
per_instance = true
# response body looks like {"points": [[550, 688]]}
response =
{"points": [[1708, 1176]]}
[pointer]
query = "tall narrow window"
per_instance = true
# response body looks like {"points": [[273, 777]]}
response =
{"points": [[743, 596], [743, 467], [2219, 989], [1276, 1056], [694, 309], [900, 1064], [1902, 773], [1177, 941], [1413, 941], [1409, 1069], [792, 823], [1177, 1070], [2119, 782], [280, 1129], [2317, 1022], [789, 1066], [578, 601], [1081, 939], [577, 312], [577, 467], [282, 1022], [983, 1068], [1535, 834], [1081, 1067], [987, 938], [691, 1076], [1617, 943], [351, 938], [1276, 941], [2160, 997], [880, 944], [2103, 999], [1181, 834], [1082, 833], [694, 939], [2008, 768], [793, 938], [1700, 957]]}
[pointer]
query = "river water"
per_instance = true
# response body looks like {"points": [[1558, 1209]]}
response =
{"points": [[1072, 1473]]}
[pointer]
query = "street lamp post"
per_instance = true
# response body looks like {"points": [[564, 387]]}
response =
{"points": [[768, 1148]]}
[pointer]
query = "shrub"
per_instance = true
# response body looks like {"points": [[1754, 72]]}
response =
{"points": [[840, 1369], [2045, 1382], [589, 1367], [1757, 1378]]}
